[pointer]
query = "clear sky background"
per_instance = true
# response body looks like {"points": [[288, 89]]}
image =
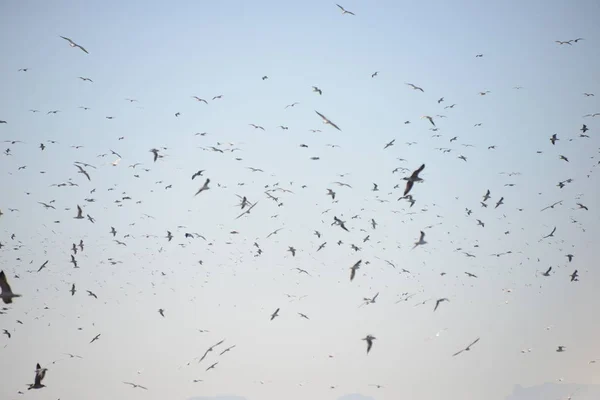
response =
{"points": [[162, 54]]}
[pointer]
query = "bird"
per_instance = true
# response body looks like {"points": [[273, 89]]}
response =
{"points": [[40, 373], [327, 121], [161, 312], [6, 293], [204, 187], [499, 203], [73, 44], [85, 79], [468, 348], [574, 276], [421, 240], [438, 302], [560, 349], [344, 11], [414, 177], [369, 339], [553, 139], [551, 234], [317, 90], [581, 206], [429, 118], [374, 74], [95, 338], [155, 152], [212, 366], [415, 87], [7, 333], [133, 385], [79, 213], [353, 269], [547, 273], [391, 143], [275, 314]]}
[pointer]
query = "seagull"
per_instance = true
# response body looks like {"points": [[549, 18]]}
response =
{"points": [[6, 294], [316, 89], [414, 177], [369, 339], [199, 99], [85, 79], [40, 373], [499, 203], [212, 366], [155, 152], [73, 44], [353, 269], [326, 121], [429, 118], [79, 213], [438, 301], [161, 312], [204, 187], [95, 338], [133, 385], [374, 74], [584, 128], [389, 144], [421, 240], [551, 234], [581, 206], [468, 348], [415, 87], [553, 139], [275, 314], [560, 349], [574, 276], [547, 273], [83, 171], [344, 11], [487, 195]]}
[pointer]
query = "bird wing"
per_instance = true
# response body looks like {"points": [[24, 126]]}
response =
{"points": [[67, 39], [409, 185], [457, 353], [81, 47], [4, 283], [341, 8], [322, 116], [334, 125]]}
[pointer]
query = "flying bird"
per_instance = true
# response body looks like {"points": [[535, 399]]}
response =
{"points": [[6, 293], [275, 314], [414, 177], [133, 385], [468, 348], [344, 11], [369, 339], [40, 373], [73, 44], [327, 121], [204, 187], [415, 87]]}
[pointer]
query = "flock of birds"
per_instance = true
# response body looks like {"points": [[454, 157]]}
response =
{"points": [[273, 192]]}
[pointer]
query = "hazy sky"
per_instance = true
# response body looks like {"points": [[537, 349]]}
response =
{"points": [[162, 54]]}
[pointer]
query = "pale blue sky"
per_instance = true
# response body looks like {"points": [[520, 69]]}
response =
{"points": [[162, 54]]}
